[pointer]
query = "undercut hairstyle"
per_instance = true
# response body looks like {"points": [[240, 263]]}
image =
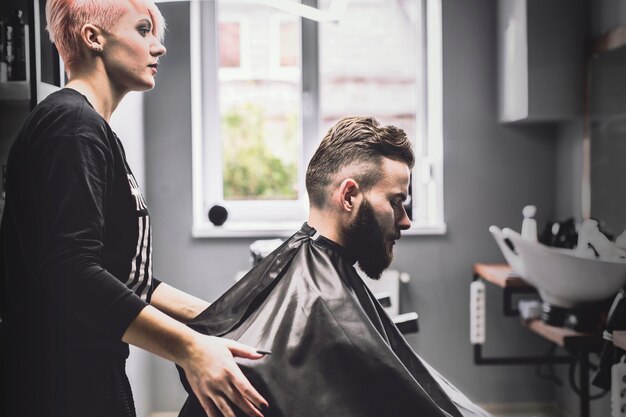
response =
{"points": [[65, 19], [359, 142]]}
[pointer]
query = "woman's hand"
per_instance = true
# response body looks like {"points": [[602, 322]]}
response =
{"points": [[208, 362], [216, 379]]}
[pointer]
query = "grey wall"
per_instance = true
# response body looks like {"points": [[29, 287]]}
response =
{"points": [[569, 156], [568, 204], [491, 172], [603, 15]]}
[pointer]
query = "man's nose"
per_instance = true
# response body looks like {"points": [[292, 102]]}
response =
{"points": [[404, 222]]}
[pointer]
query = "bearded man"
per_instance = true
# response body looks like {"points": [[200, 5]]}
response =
{"points": [[334, 351]]}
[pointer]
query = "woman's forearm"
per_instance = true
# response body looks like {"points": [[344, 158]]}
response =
{"points": [[160, 334], [176, 303]]}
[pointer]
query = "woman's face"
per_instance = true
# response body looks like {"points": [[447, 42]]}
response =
{"points": [[131, 51]]}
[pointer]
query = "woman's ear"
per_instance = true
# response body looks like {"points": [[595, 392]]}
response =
{"points": [[92, 37], [350, 194]]}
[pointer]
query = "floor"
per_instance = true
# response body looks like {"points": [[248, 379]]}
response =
{"points": [[524, 410], [525, 414]]}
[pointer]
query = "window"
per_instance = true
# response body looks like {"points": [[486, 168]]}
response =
{"points": [[271, 86], [230, 44], [288, 43]]}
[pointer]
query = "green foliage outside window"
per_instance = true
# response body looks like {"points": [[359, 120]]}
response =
{"points": [[251, 170]]}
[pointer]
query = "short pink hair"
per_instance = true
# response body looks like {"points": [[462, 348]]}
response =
{"points": [[65, 19]]}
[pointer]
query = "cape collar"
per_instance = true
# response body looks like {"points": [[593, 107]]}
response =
{"points": [[327, 243]]}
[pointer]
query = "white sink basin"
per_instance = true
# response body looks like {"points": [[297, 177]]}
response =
{"points": [[562, 278], [514, 261]]}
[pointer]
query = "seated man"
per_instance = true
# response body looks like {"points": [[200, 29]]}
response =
{"points": [[334, 351]]}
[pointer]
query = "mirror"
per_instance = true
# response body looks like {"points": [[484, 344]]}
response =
{"points": [[607, 129]]}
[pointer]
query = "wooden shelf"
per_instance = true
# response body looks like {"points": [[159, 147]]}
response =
{"points": [[500, 275], [619, 339], [565, 337]]}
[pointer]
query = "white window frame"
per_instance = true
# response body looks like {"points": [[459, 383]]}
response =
{"points": [[206, 154]]}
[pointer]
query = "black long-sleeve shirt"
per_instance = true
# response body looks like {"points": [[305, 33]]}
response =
{"points": [[76, 239]]}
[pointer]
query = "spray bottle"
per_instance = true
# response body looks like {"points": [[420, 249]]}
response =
{"points": [[529, 225]]}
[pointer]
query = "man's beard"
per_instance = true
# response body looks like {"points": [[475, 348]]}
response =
{"points": [[365, 238]]}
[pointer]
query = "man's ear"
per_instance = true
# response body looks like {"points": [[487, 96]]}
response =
{"points": [[92, 37], [350, 194]]}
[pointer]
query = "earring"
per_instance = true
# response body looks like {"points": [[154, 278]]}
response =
{"points": [[97, 48]]}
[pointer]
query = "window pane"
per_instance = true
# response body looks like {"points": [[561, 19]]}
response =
{"points": [[289, 49], [230, 55], [260, 111], [368, 64]]}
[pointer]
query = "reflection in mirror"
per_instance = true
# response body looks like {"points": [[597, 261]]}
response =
{"points": [[608, 139]]}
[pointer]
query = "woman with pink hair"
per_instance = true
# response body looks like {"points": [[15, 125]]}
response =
{"points": [[77, 284]]}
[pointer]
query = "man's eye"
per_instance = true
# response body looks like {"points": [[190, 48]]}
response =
{"points": [[144, 31]]}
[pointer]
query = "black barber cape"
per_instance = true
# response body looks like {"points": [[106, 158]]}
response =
{"points": [[335, 352]]}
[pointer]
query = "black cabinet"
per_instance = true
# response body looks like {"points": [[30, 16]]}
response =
{"points": [[43, 74], [541, 57]]}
